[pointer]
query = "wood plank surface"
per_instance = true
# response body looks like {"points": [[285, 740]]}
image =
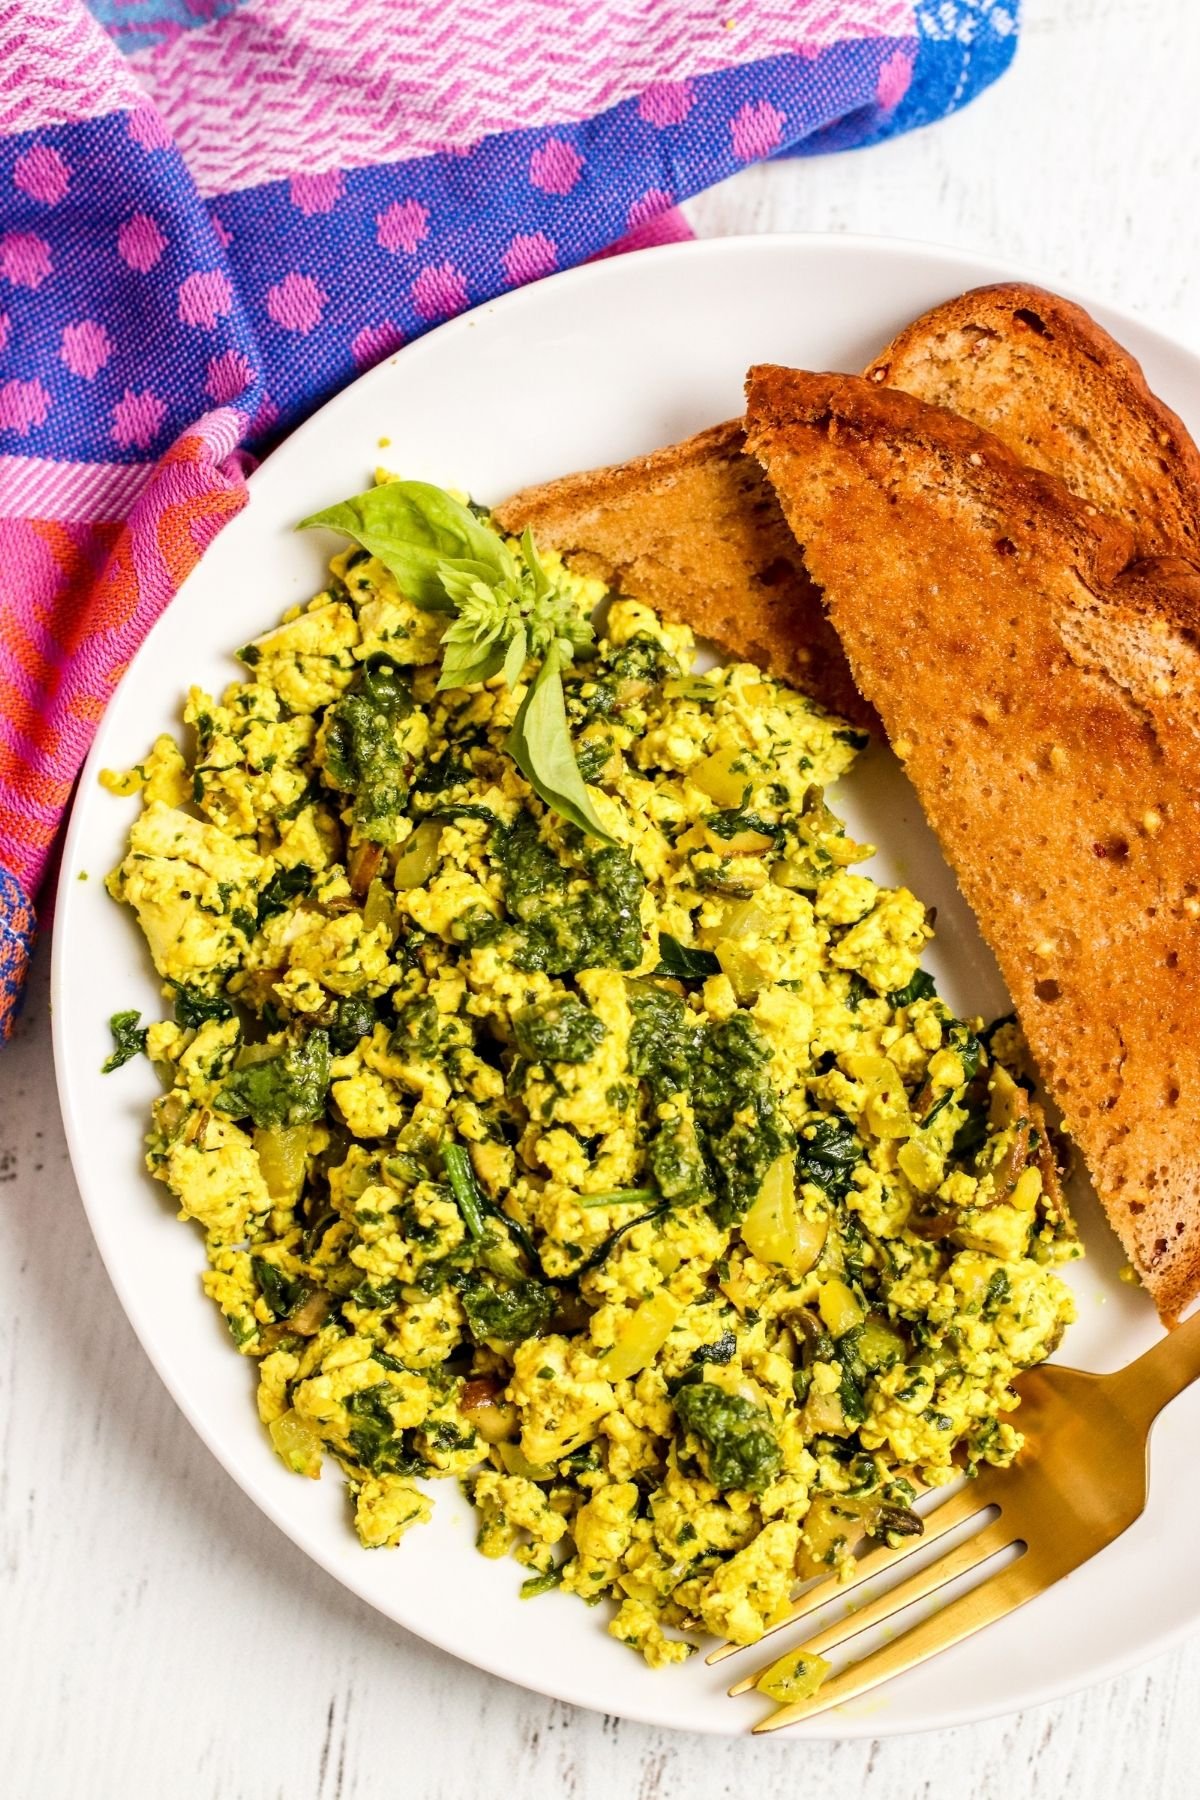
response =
{"points": [[158, 1636]]}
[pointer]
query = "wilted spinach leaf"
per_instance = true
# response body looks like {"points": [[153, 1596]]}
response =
{"points": [[919, 987], [287, 1088], [128, 1037], [374, 1438], [561, 1029], [354, 1018], [683, 962], [827, 1154], [281, 1293], [719, 1351], [283, 887], [193, 1007], [738, 1445], [507, 1311]]}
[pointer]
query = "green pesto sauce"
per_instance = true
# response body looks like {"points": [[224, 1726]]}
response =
{"points": [[583, 912], [738, 1448], [362, 756], [722, 1069]]}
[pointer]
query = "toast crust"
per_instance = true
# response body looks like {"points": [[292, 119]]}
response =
{"points": [[1044, 695], [696, 531], [1040, 374]]}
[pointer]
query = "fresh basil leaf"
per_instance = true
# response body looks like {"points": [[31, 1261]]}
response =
{"points": [[540, 745], [465, 664], [553, 613], [516, 656], [447, 559], [416, 529], [543, 587], [466, 589], [475, 644]]}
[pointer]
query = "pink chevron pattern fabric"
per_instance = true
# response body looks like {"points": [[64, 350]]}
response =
{"points": [[213, 213], [453, 73], [56, 68]]}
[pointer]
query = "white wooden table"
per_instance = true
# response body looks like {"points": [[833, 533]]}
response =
{"points": [[157, 1636]]}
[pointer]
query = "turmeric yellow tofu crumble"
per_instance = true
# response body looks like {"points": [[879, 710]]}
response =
{"points": [[562, 1112]]}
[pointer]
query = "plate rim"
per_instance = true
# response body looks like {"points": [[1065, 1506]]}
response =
{"points": [[833, 243]]}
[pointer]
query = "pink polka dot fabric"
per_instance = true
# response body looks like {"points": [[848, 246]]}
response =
{"points": [[530, 256], [403, 228], [42, 174], [136, 418], [205, 297], [312, 194], [228, 377], [25, 259], [140, 242], [217, 214], [296, 303], [23, 404], [555, 166], [374, 342], [86, 348]]}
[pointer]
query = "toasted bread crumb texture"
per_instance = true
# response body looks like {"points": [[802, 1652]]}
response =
{"points": [[1039, 373], [696, 531], [1046, 702]]}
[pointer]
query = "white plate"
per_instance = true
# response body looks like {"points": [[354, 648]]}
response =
{"points": [[587, 367]]}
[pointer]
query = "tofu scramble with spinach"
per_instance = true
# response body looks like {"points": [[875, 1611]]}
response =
{"points": [[612, 1154]]}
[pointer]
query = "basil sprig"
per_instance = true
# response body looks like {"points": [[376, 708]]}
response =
{"points": [[422, 534], [506, 612]]}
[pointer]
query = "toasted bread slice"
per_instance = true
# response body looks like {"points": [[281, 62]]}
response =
{"points": [[1045, 699], [1039, 373], [696, 532]]}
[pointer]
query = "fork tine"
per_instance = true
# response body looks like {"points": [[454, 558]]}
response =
{"points": [[972, 1498], [959, 1561], [990, 1601]]}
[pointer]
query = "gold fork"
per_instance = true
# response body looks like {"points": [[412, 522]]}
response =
{"points": [[1078, 1483]]}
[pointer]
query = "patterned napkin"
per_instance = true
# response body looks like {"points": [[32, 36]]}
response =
{"points": [[214, 213]]}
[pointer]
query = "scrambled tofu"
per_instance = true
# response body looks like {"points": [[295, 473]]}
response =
{"points": [[646, 1186]]}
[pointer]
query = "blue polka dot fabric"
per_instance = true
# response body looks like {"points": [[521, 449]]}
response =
{"points": [[215, 213]]}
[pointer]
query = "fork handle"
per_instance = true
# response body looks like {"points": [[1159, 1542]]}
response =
{"points": [[1145, 1385]]}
